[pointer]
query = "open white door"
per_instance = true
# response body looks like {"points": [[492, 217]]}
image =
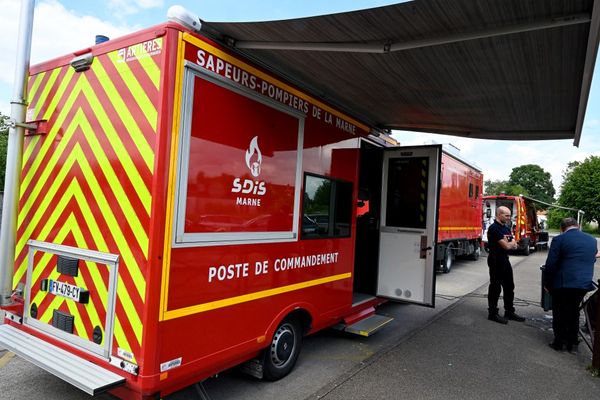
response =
{"points": [[409, 216]]}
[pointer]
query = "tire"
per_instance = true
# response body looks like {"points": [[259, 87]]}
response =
{"points": [[476, 253], [281, 356], [526, 248], [448, 259]]}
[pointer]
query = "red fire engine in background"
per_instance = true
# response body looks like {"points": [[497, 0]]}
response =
{"points": [[524, 222], [183, 211], [459, 227]]}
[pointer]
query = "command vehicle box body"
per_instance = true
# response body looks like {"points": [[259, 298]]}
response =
{"points": [[459, 227], [164, 229]]}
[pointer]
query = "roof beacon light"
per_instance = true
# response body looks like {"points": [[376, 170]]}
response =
{"points": [[184, 17]]}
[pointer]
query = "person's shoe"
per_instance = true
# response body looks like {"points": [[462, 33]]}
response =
{"points": [[497, 318], [556, 346], [573, 348], [514, 316]]}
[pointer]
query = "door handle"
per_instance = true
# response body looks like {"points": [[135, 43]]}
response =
{"points": [[426, 248]]}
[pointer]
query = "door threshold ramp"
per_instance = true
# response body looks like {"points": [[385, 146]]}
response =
{"points": [[81, 373], [369, 325]]}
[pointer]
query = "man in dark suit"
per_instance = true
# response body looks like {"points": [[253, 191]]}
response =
{"points": [[569, 274]]}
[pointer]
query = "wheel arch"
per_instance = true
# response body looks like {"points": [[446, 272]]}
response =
{"points": [[304, 312]]}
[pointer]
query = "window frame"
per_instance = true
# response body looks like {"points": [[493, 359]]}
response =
{"points": [[332, 207], [180, 237]]}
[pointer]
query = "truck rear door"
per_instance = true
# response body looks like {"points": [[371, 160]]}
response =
{"points": [[409, 215]]}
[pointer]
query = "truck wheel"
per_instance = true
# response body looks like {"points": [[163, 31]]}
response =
{"points": [[476, 252], [280, 357], [447, 262], [525, 249]]}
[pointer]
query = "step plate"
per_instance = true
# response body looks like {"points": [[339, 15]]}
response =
{"points": [[369, 325], [81, 373]]}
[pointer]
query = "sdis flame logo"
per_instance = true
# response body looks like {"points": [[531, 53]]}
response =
{"points": [[249, 186], [254, 166]]}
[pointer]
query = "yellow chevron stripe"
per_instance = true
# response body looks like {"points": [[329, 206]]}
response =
{"points": [[152, 70], [54, 304], [132, 172], [111, 176], [111, 220], [119, 334], [79, 327], [130, 311], [69, 74], [49, 141], [33, 141], [164, 286], [145, 104], [72, 226], [80, 121], [139, 94], [119, 148], [42, 184], [35, 85], [251, 296], [36, 81], [125, 251], [41, 265], [93, 269]]}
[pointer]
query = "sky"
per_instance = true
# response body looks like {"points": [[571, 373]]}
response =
{"points": [[64, 26]]}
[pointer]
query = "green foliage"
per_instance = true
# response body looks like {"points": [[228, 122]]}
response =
{"points": [[536, 181], [498, 187], [320, 202], [595, 372], [555, 215], [581, 188], [3, 147]]}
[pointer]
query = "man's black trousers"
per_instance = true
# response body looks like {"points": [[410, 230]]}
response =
{"points": [[501, 280], [565, 315]]}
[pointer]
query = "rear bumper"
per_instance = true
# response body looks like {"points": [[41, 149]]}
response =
{"points": [[81, 373]]}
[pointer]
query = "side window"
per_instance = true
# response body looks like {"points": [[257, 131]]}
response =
{"points": [[470, 190], [477, 191], [242, 187], [327, 207]]}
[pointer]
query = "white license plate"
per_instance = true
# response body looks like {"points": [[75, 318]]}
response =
{"points": [[64, 289]]}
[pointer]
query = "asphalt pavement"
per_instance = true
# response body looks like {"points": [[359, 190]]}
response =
{"points": [[462, 355]]}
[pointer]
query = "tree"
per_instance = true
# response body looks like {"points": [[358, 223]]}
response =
{"points": [[498, 187], [581, 188], [3, 147], [536, 181]]}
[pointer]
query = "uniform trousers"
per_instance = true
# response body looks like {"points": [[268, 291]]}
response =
{"points": [[501, 280]]}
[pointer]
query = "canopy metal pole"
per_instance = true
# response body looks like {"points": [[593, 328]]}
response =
{"points": [[8, 228]]}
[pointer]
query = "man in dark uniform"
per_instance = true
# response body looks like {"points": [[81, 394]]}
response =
{"points": [[500, 241]]}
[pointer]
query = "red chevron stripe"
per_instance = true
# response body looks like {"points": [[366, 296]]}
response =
{"points": [[60, 133], [127, 327], [124, 181], [124, 90], [52, 92], [114, 115]]}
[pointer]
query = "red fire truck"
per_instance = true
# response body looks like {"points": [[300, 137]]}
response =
{"points": [[164, 220], [524, 223], [459, 227]]}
